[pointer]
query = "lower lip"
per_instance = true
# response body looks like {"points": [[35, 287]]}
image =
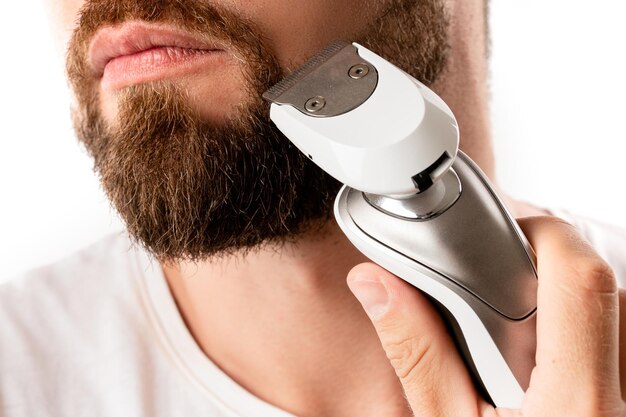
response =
{"points": [[156, 64]]}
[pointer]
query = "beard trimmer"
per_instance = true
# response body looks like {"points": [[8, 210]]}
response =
{"points": [[417, 206]]}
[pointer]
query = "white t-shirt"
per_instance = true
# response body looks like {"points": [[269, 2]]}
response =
{"points": [[99, 334]]}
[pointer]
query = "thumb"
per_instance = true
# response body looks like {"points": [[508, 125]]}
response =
{"points": [[416, 342]]}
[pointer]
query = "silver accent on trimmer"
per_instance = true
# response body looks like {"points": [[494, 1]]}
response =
{"points": [[332, 83], [423, 206]]}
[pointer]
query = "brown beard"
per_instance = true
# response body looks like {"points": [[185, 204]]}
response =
{"points": [[190, 189]]}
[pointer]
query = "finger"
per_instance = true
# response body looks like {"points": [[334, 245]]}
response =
{"points": [[416, 342], [577, 322]]}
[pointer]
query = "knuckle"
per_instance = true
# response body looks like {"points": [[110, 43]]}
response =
{"points": [[552, 222], [595, 275], [556, 221], [411, 356]]}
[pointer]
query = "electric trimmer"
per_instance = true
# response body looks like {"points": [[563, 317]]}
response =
{"points": [[416, 205]]}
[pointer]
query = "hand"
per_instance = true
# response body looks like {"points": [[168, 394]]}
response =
{"points": [[577, 371]]}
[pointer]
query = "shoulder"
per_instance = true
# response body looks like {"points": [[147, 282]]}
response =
{"points": [[95, 267], [71, 305], [78, 337]]}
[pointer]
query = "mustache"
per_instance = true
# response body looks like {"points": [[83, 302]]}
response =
{"points": [[192, 15], [199, 18]]}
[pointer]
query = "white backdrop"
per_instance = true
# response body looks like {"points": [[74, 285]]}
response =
{"points": [[558, 106]]}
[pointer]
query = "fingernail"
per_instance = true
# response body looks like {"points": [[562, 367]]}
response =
{"points": [[372, 295]]}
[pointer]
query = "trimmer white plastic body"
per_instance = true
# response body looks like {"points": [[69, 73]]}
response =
{"points": [[392, 129]]}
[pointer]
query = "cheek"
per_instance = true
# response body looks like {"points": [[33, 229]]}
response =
{"points": [[297, 29]]}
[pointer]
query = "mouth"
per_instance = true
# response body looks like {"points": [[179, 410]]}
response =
{"points": [[137, 52]]}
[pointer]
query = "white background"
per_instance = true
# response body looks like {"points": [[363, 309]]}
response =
{"points": [[558, 94]]}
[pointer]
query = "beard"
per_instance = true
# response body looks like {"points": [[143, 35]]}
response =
{"points": [[188, 188]]}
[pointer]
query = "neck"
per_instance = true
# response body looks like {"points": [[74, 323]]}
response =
{"points": [[284, 325], [281, 321]]}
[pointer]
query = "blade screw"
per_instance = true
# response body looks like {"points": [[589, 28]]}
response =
{"points": [[315, 104], [359, 71]]}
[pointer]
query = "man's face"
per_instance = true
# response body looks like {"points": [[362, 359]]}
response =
{"points": [[168, 104]]}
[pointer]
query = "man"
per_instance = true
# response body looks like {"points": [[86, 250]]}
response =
{"points": [[232, 301]]}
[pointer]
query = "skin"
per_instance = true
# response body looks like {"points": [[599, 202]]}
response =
{"points": [[321, 372]]}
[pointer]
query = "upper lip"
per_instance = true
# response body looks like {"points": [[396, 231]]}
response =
{"points": [[130, 38]]}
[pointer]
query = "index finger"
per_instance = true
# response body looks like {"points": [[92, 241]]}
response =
{"points": [[577, 321]]}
